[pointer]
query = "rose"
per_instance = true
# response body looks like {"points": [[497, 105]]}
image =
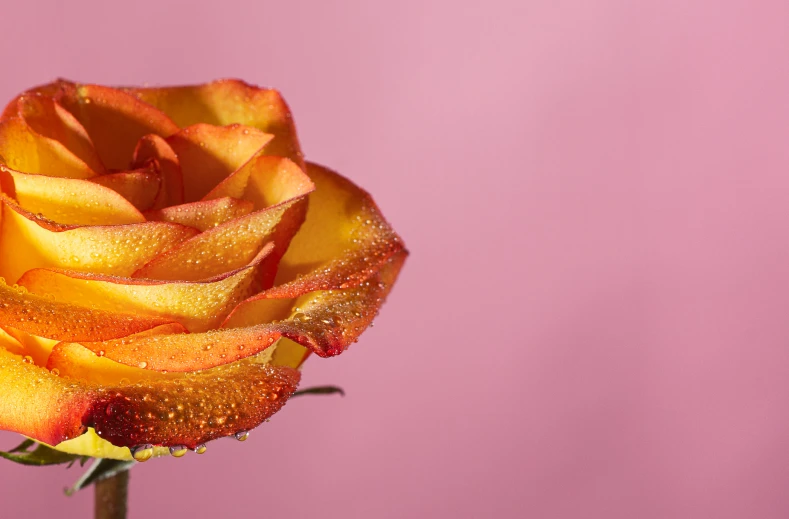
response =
{"points": [[169, 261]]}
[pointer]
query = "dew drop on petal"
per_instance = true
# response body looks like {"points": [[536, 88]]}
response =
{"points": [[142, 452], [178, 450]]}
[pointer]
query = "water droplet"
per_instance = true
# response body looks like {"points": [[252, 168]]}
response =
{"points": [[143, 365], [142, 452], [200, 449], [28, 359], [178, 450], [55, 371], [242, 435]]}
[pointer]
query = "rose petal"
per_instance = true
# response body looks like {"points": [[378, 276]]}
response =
{"points": [[140, 187], [265, 181], [47, 118], [68, 201], [37, 403], [208, 154], [220, 249], [197, 305], [326, 322], [343, 241], [43, 317], [226, 102], [187, 351], [28, 241], [24, 150], [203, 215], [114, 120], [189, 410], [152, 149], [73, 360]]}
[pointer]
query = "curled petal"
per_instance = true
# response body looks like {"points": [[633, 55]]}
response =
{"points": [[198, 306], [229, 101], [49, 120], [222, 248], [325, 322], [265, 181], [208, 154], [140, 187], [29, 241], [154, 150], [203, 215], [42, 316], [188, 410], [68, 201], [23, 149], [114, 120]]}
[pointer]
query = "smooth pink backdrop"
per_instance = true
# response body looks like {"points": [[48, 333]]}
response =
{"points": [[593, 321]]}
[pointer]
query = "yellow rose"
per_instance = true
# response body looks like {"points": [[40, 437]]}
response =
{"points": [[169, 262]]}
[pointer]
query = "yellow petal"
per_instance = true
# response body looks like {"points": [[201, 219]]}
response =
{"points": [[229, 101], [208, 154], [114, 120], [198, 306], [28, 242], [68, 201]]}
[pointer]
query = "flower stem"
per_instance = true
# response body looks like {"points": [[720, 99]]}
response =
{"points": [[111, 496]]}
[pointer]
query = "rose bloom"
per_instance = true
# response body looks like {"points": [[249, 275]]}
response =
{"points": [[169, 262]]}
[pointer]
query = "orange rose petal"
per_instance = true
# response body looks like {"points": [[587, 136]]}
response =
{"points": [[179, 352], [208, 154], [74, 360], [326, 322], [343, 241], [199, 306], [140, 187], [226, 102], [265, 181], [219, 249], [188, 410], [114, 120], [37, 403], [203, 215], [43, 317], [30, 242], [50, 120], [194, 409], [152, 149], [68, 201], [24, 150]]}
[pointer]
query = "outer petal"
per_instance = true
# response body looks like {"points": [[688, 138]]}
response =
{"points": [[198, 306], [343, 241], [23, 149], [68, 201], [113, 250], [49, 120], [114, 120], [44, 317], [208, 154], [226, 102], [186, 411], [326, 322]]}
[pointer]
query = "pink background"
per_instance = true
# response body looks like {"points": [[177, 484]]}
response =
{"points": [[593, 322]]}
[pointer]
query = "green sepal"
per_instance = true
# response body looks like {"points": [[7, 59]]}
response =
{"points": [[40, 456], [319, 390]]}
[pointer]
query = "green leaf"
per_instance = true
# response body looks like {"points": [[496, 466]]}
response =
{"points": [[40, 456], [319, 390], [101, 468]]}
